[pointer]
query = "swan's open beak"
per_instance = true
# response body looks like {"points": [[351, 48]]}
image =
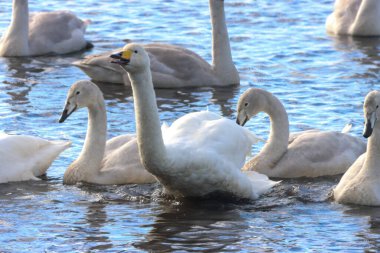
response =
{"points": [[122, 58], [369, 125], [66, 113]]}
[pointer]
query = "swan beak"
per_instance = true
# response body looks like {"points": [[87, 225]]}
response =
{"points": [[369, 125], [241, 119], [66, 113], [122, 58]]}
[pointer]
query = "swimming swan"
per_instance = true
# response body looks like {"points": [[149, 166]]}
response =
{"points": [[40, 33], [360, 184], [174, 66], [310, 153], [355, 17], [116, 161], [201, 153], [26, 157]]}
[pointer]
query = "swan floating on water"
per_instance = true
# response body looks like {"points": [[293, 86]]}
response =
{"points": [[26, 157], [57, 32], [360, 184], [116, 161], [310, 153], [174, 66], [200, 154], [355, 17]]}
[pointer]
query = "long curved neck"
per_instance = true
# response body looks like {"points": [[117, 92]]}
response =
{"points": [[91, 156], [373, 150], [277, 144], [221, 51], [149, 137], [15, 42]]}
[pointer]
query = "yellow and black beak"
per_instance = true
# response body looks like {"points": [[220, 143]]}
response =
{"points": [[122, 58]]}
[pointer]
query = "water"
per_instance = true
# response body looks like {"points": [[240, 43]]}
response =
{"points": [[280, 46]]}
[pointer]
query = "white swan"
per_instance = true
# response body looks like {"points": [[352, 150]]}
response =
{"points": [[360, 184], [355, 17], [201, 153], [26, 157], [116, 161], [40, 33], [174, 66], [305, 154]]}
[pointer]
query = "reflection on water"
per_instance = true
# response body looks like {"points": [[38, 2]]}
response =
{"points": [[280, 46], [200, 226]]}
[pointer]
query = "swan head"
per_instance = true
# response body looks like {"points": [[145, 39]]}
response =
{"points": [[133, 58], [250, 103], [371, 112], [81, 94]]}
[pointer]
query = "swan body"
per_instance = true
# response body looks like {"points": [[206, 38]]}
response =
{"points": [[201, 153], [174, 66], [355, 17], [360, 184], [115, 161], [57, 32], [310, 153], [26, 157]]}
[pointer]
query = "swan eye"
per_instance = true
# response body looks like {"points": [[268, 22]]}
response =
{"points": [[136, 51], [246, 104], [377, 106], [78, 92]]}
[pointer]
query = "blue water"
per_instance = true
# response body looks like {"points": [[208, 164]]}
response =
{"points": [[280, 46]]}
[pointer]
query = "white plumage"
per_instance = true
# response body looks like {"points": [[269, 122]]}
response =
{"points": [[26, 157], [201, 153]]}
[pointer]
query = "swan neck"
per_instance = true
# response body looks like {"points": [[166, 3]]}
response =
{"points": [[277, 144], [373, 149], [221, 51], [20, 16], [149, 136], [15, 41], [91, 156]]}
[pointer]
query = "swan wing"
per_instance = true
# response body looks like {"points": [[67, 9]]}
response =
{"points": [[122, 164]]}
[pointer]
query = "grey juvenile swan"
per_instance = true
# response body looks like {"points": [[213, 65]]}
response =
{"points": [[174, 66], [115, 161], [360, 184], [310, 153]]}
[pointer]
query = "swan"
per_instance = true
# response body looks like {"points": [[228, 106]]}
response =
{"points": [[25, 157], [360, 184], [116, 161], [355, 17], [174, 66], [40, 33], [310, 153], [200, 154]]}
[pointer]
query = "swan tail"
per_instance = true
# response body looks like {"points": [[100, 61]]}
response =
{"points": [[261, 183], [347, 128], [47, 154]]}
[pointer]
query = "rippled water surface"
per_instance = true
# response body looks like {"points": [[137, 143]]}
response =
{"points": [[279, 45]]}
